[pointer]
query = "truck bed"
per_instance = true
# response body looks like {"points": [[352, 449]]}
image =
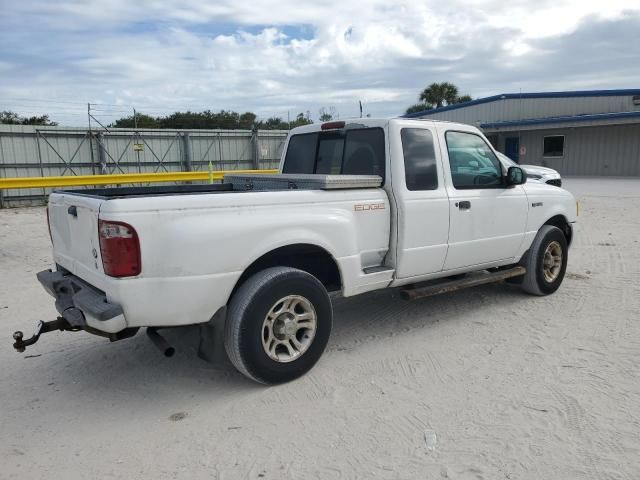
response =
{"points": [[238, 183], [152, 191]]}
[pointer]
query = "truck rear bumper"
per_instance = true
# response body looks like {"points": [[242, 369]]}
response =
{"points": [[81, 304]]}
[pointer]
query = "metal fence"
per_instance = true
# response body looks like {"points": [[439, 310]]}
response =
{"points": [[27, 151]]}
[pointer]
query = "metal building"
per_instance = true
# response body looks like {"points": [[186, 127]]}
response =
{"points": [[577, 133]]}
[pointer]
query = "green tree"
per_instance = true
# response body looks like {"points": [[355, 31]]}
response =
{"points": [[273, 123], [327, 115], [438, 95], [418, 107], [141, 121], [247, 120], [12, 118], [301, 119]]}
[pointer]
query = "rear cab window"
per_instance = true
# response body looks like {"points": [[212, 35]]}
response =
{"points": [[420, 169], [337, 152]]}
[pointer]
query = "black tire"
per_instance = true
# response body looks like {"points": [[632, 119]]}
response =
{"points": [[534, 281], [248, 309]]}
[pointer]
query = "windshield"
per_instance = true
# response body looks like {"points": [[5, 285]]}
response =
{"points": [[506, 160]]}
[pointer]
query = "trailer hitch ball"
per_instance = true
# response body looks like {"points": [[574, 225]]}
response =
{"points": [[17, 336], [42, 327]]}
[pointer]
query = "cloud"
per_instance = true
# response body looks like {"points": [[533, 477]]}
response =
{"points": [[279, 57]]}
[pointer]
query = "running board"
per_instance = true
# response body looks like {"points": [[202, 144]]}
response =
{"points": [[453, 285], [376, 269]]}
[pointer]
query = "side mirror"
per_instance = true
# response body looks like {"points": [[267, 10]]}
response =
{"points": [[515, 176]]}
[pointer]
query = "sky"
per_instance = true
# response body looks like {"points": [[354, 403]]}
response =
{"points": [[284, 57]]}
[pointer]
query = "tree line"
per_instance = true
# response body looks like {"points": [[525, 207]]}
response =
{"points": [[11, 118], [224, 119]]}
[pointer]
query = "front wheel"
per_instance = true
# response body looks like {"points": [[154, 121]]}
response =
{"points": [[546, 262], [278, 325]]}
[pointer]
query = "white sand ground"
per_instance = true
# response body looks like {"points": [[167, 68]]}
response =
{"points": [[485, 383]]}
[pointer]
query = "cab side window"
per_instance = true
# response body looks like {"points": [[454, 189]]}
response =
{"points": [[473, 163], [420, 169]]}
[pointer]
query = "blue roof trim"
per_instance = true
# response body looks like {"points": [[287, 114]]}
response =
{"points": [[568, 118], [511, 96]]}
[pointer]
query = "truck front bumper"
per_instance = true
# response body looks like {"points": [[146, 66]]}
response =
{"points": [[82, 305]]}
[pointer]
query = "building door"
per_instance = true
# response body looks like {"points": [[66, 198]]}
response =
{"points": [[512, 148]]}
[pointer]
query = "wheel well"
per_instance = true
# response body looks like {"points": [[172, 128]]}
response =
{"points": [[309, 258], [561, 222]]}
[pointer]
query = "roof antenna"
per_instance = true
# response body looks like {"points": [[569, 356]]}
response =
{"points": [[360, 102]]}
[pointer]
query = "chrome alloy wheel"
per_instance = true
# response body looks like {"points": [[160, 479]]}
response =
{"points": [[552, 262], [289, 328]]}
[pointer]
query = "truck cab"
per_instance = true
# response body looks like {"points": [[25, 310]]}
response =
{"points": [[451, 207]]}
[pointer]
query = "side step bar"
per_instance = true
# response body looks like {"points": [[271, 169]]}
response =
{"points": [[376, 269], [467, 281]]}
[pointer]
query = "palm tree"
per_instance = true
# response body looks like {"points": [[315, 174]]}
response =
{"points": [[418, 107], [438, 95]]}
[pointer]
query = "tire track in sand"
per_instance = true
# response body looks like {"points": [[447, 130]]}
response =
{"points": [[580, 422]]}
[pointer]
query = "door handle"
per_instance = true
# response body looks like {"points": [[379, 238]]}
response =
{"points": [[464, 205]]}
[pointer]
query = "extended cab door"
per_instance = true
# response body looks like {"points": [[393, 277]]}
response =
{"points": [[488, 218], [421, 199]]}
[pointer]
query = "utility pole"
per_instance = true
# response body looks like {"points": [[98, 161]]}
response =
{"points": [[93, 166], [135, 138]]}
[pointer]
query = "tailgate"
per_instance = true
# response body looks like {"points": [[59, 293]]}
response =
{"points": [[74, 230]]}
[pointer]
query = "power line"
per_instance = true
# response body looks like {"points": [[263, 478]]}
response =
{"points": [[43, 100], [12, 106]]}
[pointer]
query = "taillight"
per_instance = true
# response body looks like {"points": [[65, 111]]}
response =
{"points": [[119, 248]]}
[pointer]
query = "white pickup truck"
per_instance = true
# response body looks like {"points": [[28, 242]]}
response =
{"points": [[387, 203]]}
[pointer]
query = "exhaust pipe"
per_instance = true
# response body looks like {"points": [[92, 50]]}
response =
{"points": [[160, 342]]}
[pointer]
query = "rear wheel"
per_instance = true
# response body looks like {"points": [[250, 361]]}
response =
{"points": [[278, 325], [546, 262]]}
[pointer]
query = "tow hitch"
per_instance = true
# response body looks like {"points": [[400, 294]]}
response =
{"points": [[42, 327]]}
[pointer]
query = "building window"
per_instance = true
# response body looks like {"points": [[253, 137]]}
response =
{"points": [[553, 146]]}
